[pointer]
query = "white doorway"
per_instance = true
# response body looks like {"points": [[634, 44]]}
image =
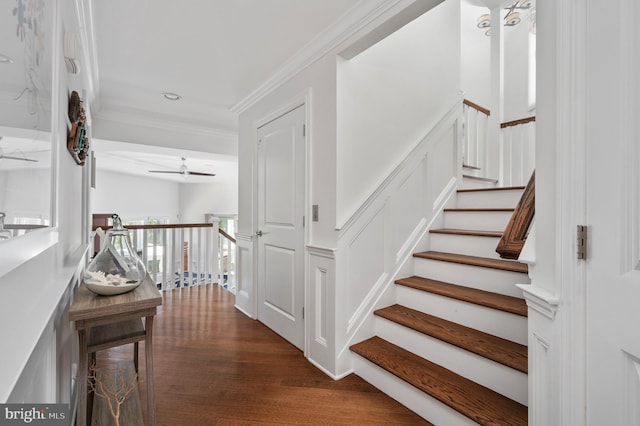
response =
{"points": [[280, 234]]}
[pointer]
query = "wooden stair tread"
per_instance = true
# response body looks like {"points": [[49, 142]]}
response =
{"points": [[469, 166], [484, 209], [472, 233], [485, 262], [483, 179], [501, 188], [492, 347], [475, 401], [488, 299]]}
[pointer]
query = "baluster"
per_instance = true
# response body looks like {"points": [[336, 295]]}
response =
{"points": [[174, 244], [207, 255], [164, 259], [190, 256], [199, 259], [154, 241], [144, 249]]}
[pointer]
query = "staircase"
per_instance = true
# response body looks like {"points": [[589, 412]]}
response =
{"points": [[453, 347]]}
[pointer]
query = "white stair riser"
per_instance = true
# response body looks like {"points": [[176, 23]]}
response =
{"points": [[417, 401], [495, 376], [471, 245], [499, 323], [505, 198], [478, 221], [475, 183], [489, 279]]}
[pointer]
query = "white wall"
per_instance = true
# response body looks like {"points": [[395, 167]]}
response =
{"points": [[516, 71], [389, 97], [475, 55], [135, 197], [36, 363], [198, 199]]}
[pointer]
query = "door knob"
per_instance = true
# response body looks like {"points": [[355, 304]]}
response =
{"points": [[259, 233]]}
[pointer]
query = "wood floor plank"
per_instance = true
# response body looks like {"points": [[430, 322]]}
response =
{"points": [[503, 351], [215, 366], [485, 262], [477, 402], [488, 299]]}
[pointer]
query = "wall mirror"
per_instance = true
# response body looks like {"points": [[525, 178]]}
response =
{"points": [[26, 80]]}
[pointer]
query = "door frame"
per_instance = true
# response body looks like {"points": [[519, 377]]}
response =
{"points": [[303, 99]]}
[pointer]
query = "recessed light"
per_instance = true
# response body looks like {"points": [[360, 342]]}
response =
{"points": [[171, 96], [4, 59]]}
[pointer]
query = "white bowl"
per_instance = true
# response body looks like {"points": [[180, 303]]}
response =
{"points": [[109, 289]]}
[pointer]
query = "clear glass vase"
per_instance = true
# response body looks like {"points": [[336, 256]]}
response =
{"points": [[5, 234], [117, 268]]}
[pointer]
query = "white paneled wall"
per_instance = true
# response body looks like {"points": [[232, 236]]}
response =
{"points": [[376, 242], [245, 297]]}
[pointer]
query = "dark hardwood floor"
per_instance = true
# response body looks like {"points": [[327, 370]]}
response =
{"points": [[215, 366]]}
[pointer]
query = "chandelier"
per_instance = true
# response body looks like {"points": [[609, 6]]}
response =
{"points": [[512, 18]]}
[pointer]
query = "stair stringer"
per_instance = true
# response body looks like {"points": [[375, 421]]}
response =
{"points": [[375, 246], [384, 293]]}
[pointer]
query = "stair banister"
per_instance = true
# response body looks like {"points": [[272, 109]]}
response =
{"points": [[475, 134], [515, 234]]}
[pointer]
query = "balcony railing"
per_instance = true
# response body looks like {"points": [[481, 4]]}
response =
{"points": [[185, 255]]}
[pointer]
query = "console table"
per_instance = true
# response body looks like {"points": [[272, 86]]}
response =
{"points": [[108, 321]]}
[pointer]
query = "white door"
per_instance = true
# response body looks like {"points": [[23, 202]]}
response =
{"points": [[613, 214], [281, 182]]}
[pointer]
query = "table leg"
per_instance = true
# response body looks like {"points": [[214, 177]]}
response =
{"points": [[148, 349], [83, 368]]}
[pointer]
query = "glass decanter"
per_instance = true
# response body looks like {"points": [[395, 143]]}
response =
{"points": [[117, 268], [5, 234]]}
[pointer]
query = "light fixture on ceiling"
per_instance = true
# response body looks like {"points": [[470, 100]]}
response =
{"points": [[171, 96], [4, 59], [512, 18]]}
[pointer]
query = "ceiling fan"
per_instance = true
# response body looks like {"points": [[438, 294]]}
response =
{"points": [[183, 170]]}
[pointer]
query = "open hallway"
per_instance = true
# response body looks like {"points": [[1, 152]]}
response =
{"points": [[214, 366]]}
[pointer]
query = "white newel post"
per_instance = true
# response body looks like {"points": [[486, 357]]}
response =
{"points": [[214, 260]]}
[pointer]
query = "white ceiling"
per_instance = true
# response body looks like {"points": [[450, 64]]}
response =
{"points": [[211, 52]]}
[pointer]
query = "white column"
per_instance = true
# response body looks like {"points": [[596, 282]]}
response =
{"points": [[493, 160], [214, 260]]}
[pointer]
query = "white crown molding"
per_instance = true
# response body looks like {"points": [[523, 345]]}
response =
{"points": [[164, 124], [540, 300], [354, 20]]}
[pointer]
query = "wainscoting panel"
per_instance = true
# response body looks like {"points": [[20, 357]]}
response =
{"points": [[245, 297], [375, 245], [320, 308], [407, 205], [365, 264], [632, 405]]}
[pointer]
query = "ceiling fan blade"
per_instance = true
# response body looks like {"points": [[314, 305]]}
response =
{"points": [[164, 171], [9, 157], [201, 174]]}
